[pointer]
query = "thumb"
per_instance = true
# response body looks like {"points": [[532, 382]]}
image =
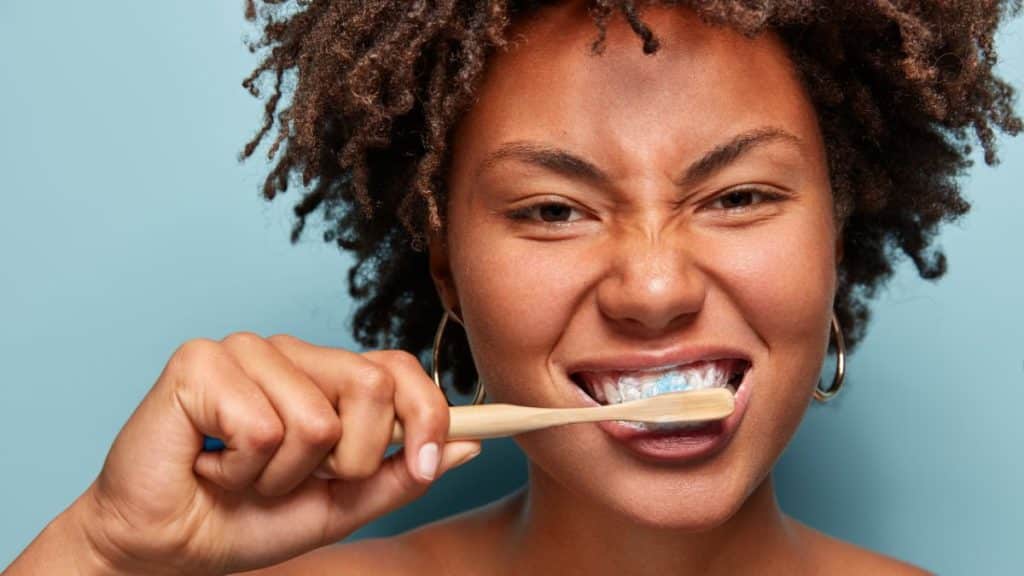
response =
{"points": [[392, 487]]}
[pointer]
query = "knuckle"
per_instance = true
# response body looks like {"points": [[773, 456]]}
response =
{"points": [[264, 435], [283, 340], [431, 416], [374, 383], [321, 431], [196, 350], [195, 357], [243, 340], [404, 359]]}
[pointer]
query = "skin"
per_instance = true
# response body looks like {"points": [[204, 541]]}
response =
{"points": [[643, 264], [646, 264], [544, 269]]}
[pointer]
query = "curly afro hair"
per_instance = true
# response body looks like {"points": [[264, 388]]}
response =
{"points": [[902, 89]]}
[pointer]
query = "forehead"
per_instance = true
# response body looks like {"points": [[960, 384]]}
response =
{"points": [[621, 107]]}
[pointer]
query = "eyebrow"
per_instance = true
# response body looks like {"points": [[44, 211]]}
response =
{"points": [[567, 164]]}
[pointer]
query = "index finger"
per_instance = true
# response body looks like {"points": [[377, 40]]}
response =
{"points": [[421, 407]]}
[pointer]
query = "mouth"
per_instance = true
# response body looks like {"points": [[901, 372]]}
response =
{"points": [[633, 377], [616, 386]]}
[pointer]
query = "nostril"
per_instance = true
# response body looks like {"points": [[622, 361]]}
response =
{"points": [[651, 302]]}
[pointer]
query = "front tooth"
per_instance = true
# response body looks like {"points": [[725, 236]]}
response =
{"points": [[611, 392], [672, 382], [645, 384], [630, 388], [649, 387]]}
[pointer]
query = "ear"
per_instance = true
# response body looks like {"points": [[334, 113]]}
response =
{"points": [[441, 274]]}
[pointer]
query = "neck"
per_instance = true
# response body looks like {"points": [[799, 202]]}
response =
{"points": [[557, 528]]}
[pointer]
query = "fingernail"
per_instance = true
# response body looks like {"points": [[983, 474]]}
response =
{"points": [[428, 460]]}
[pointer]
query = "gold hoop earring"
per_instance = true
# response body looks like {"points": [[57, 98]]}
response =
{"points": [[479, 395], [837, 380]]}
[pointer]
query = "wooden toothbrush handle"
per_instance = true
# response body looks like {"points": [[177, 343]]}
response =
{"points": [[490, 421]]}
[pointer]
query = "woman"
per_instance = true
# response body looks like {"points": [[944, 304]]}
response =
{"points": [[703, 193]]}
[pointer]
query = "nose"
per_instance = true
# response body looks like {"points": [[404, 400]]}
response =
{"points": [[653, 284]]}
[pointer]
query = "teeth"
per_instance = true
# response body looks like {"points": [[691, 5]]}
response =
{"points": [[629, 387], [614, 387], [610, 393]]}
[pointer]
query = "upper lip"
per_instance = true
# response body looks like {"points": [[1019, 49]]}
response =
{"points": [[655, 359]]}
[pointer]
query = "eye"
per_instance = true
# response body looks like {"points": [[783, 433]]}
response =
{"points": [[742, 198], [545, 213]]}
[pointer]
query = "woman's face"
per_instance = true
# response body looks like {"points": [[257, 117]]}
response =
{"points": [[624, 211]]}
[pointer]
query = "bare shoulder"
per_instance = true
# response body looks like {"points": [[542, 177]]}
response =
{"points": [[448, 546], [378, 556], [835, 556]]}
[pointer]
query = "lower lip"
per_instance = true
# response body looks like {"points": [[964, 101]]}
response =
{"points": [[682, 445]]}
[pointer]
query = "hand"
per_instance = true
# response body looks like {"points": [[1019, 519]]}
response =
{"points": [[305, 429]]}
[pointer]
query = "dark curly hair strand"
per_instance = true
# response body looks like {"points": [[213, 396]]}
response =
{"points": [[901, 89]]}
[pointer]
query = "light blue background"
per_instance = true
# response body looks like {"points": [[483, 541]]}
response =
{"points": [[127, 227]]}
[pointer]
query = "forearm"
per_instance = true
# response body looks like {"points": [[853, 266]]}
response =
{"points": [[63, 547]]}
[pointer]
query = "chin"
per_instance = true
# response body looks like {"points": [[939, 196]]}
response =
{"points": [[595, 476], [680, 504]]}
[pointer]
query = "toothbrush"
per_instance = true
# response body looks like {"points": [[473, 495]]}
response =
{"points": [[499, 420]]}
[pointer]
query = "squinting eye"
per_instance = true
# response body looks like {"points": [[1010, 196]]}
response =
{"points": [[742, 198], [546, 212]]}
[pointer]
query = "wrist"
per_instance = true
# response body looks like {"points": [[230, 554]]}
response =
{"points": [[63, 547], [108, 545], [86, 548]]}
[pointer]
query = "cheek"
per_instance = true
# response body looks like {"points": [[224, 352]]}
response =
{"points": [[517, 299], [783, 283], [783, 279]]}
